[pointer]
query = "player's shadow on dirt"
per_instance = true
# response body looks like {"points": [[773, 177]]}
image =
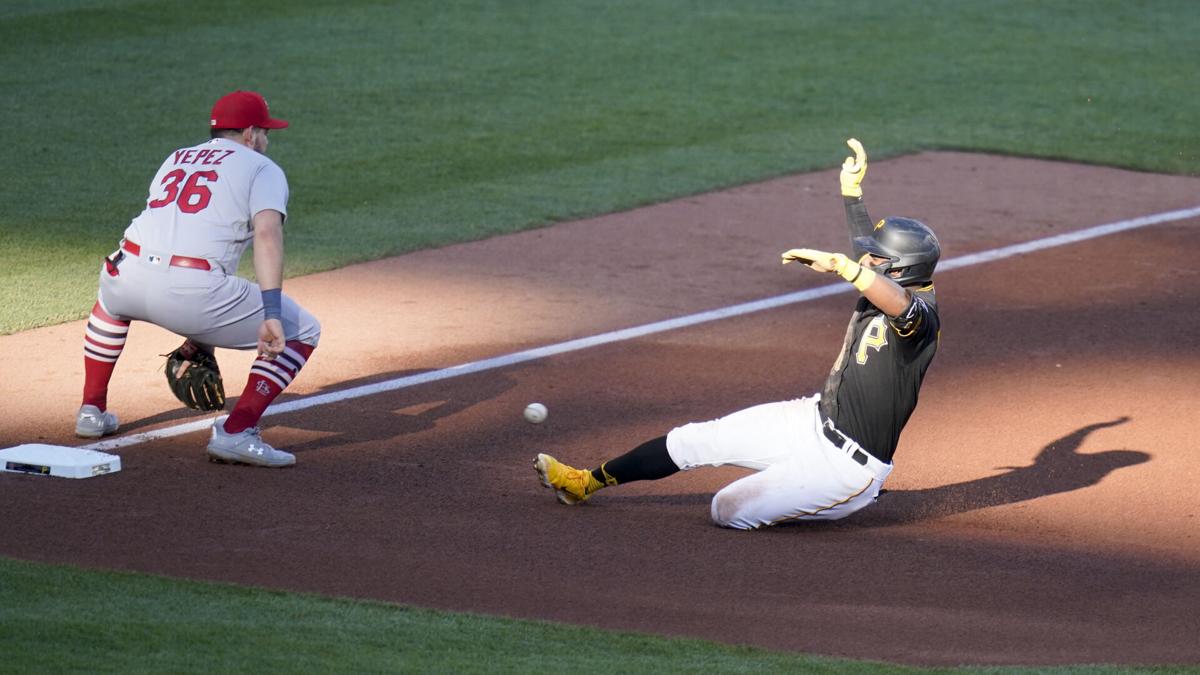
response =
{"points": [[370, 417], [388, 414], [1057, 468], [175, 414]]}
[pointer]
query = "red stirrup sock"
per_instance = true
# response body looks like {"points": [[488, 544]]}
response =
{"points": [[103, 341], [267, 380]]}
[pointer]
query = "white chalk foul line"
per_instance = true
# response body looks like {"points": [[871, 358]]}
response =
{"points": [[647, 329]]}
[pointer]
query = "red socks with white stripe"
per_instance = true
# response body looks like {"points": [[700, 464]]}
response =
{"points": [[267, 380], [103, 341]]}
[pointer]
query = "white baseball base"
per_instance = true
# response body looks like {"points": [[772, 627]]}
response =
{"points": [[57, 460]]}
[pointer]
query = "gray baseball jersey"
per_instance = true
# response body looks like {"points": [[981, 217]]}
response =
{"points": [[177, 263]]}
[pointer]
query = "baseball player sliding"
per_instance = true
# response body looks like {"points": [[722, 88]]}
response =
{"points": [[175, 268], [827, 455]]}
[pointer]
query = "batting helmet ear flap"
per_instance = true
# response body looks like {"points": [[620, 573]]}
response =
{"points": [[909, 246]]}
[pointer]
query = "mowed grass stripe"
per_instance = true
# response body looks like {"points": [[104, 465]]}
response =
{"points": [[64, 619], [418, 124]]}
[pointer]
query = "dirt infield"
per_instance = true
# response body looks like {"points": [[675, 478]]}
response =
{"points": [[1042, 511]]}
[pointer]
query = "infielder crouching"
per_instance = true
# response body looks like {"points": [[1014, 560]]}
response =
{"points": [[176, 266], [827, 455]]}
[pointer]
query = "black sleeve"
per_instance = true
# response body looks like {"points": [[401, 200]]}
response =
{"points": [[857, 219], [918, 319]]}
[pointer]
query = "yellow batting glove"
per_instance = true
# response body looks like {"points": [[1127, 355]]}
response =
{"points": [[818, 260], [859, 276], [821, 261], [853, 170]]}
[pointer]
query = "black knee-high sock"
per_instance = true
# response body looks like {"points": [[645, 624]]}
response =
{"points": [[648, 461]]}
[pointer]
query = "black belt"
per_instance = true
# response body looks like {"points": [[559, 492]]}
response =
{"points": [[842, 440]]}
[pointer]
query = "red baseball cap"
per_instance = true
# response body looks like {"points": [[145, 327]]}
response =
{"points": [[243, 109]]}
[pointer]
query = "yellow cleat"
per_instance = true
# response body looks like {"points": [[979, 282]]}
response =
{"points": [[573, 486]]}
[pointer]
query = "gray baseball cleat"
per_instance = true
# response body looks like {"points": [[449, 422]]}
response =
{"points": [[91, 422], [244, 447]]}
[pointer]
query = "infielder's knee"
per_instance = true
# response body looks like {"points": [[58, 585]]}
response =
{"points": [[316, 335], [300, 324], [308, 331]]}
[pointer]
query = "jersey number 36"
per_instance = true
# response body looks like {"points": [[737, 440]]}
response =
{"points": [[193, 197]]}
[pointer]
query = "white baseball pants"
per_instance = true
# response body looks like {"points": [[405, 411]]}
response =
{"points": [[800, 475]]}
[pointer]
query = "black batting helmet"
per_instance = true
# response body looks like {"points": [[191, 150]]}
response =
{"points": [[909, 245]]}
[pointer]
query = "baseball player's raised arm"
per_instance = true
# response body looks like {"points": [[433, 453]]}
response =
{"points": [[854, 169], [887, 295], [857, 220]]}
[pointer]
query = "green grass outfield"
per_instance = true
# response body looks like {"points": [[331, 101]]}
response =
{"points": [[61, 619], [419, 123], [416, 124]]}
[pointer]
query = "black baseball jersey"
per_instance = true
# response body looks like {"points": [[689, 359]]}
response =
{"points": [[872, 389]]}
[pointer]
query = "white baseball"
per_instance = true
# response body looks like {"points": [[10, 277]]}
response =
{"points": [[536, 413]]}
